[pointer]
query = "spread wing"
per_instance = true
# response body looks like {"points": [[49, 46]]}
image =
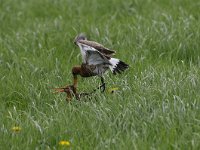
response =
{"points": [[94, 57], [98, 47]]}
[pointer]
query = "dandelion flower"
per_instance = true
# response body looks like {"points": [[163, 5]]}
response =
{"points": [[64, 143], [112, 90], [16, 129]]}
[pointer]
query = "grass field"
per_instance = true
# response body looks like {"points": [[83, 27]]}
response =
{"points": [[157, 105]]}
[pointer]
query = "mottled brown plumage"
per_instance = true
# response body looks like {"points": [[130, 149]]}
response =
{"points": [[84, 70], [71, 92]]}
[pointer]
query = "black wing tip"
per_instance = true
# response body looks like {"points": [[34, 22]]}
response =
{"points": [[120, 67]]}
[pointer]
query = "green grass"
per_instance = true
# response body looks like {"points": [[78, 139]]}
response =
{"points": [[158, 102]]}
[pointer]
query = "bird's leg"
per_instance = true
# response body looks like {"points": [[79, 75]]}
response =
{"points": [[103, 85]]}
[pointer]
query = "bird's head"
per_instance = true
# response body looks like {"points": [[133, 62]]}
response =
{"points": [[80, 37]]}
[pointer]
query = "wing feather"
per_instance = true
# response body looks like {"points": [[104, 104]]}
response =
{"points": [[98, 47], [94, 57]]}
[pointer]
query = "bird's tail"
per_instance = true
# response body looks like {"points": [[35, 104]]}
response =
{"points": [[117, 66]]}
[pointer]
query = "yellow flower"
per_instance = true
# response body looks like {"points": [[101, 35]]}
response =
{"points": [[64, 143], [16, 129], [112, 90]]}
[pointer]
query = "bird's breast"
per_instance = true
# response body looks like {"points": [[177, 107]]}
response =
{"points": [[87, 70], [93, 70]]}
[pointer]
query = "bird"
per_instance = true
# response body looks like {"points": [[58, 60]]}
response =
{"points": [[70, 91], [96, 60]]}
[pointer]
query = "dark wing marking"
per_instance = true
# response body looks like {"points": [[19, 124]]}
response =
{"points": [[98, 47]]}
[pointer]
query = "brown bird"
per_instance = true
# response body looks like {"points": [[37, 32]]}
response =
{"points": [[71, 92], [96, 60]]}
